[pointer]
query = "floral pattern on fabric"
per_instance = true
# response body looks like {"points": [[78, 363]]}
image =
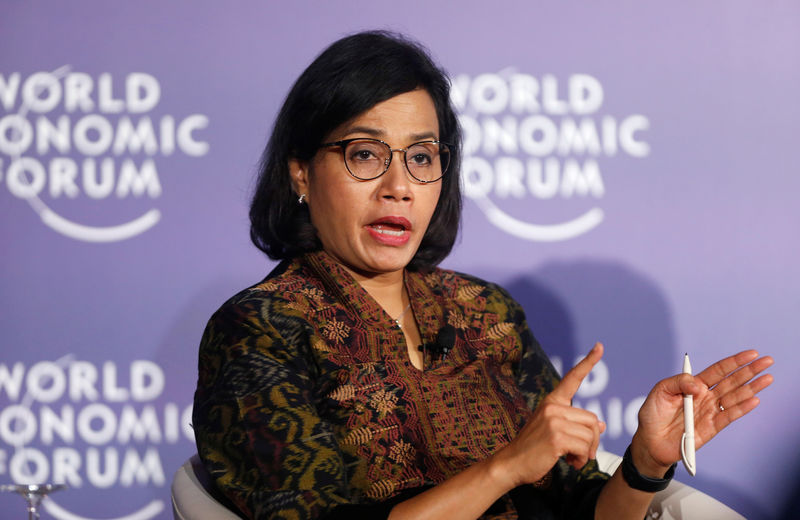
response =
{"points": [[307, 399]]}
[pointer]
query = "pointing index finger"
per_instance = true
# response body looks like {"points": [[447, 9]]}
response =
{"points": [[572, 380]]}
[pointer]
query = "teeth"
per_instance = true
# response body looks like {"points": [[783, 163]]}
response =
{"points": [[391, 232]]}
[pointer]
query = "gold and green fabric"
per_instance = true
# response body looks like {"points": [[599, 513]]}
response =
{"points": [[307, 405]]}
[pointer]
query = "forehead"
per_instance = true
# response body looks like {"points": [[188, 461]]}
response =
{"points": [[410, 115]]}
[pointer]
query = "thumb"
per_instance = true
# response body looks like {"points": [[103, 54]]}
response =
{"points": [[681, 384]]}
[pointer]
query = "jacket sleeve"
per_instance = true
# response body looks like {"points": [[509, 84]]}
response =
{"points": [[256, 427]]}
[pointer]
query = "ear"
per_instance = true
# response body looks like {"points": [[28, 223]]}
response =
{"points": [[298, 173]]}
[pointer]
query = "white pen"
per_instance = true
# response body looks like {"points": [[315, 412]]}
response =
{"points": [[687, 441]]}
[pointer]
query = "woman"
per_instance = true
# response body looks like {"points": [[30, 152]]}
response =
{"points": [[358, 380]]}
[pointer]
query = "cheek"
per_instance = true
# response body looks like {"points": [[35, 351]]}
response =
{"points": [[333, 208], [433, 200]]}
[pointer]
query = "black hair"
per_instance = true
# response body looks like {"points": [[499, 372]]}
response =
{"points": [[350, 77]]}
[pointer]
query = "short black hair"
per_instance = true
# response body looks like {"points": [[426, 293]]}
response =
{"points": [[350, 77]]}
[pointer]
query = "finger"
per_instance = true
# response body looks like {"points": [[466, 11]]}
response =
{"points": [[566, 389], [735, 412], [570, 418], [742, 376], [553, 411], [600, 427], [580, 416], [576, 461], [594, 427], [576, 446], [584, 450], [680, 385], [561, 420], [731, 399], [719, 370], [587, 431]]}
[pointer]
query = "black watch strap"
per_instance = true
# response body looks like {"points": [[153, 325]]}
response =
{"points": [[638, 481]]}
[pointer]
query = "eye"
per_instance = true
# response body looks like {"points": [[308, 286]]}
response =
{"points": [[362, 155], [421, 159], [365, 151], [422, 154]]}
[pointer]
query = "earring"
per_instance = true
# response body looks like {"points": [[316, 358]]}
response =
{"points": [[302, 199]]}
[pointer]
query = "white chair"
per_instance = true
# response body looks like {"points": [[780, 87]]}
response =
{"points": [[192, 501], [678, 501], [190, 497]]}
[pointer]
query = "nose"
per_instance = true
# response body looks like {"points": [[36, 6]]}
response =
{"points": [[396, 183]]}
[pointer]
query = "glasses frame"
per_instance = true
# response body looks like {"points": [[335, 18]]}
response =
{"points": [[342, 144]]}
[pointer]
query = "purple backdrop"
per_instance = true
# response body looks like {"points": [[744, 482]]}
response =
{"points": [[629, 180]]}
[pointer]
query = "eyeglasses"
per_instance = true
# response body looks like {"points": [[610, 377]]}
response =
{"points": [[368, 159]]}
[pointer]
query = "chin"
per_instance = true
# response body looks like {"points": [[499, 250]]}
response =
{"points": [[390, 263], [389, 267]]}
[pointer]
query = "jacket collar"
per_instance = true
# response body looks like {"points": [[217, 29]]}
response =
{"points": [[339, 284]]}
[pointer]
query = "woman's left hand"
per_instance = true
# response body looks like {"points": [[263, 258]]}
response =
{"points": [[723, 392]]}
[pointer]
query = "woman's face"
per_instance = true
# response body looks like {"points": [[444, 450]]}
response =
{"points": [[372, 227]]}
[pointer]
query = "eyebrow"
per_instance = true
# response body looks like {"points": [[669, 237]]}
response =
{"points": [[379, 133]]}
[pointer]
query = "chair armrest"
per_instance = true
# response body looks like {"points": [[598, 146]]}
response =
{"points": [[679, 501], [190, 498]]}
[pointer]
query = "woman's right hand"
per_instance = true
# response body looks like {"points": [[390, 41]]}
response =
{"points": [[556, 429]]}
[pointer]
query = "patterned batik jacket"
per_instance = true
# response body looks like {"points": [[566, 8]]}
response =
{"points": [[307, 405]]}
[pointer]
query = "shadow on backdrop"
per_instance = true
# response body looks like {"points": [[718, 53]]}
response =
{"points": [[572, 304], [178, 350]]}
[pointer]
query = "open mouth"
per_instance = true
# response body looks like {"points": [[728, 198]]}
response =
{"points": [[392, 231], [387, 229]]}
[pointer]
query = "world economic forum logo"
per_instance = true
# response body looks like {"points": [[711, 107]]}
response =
{"points": [[100, 428], [533, 148], [77, 142]]}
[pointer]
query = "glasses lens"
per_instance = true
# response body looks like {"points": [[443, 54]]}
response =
{"points": [[365, 158], [427, 162]]}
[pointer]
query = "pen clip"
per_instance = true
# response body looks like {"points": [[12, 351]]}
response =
{"points": [[690, 466]]}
